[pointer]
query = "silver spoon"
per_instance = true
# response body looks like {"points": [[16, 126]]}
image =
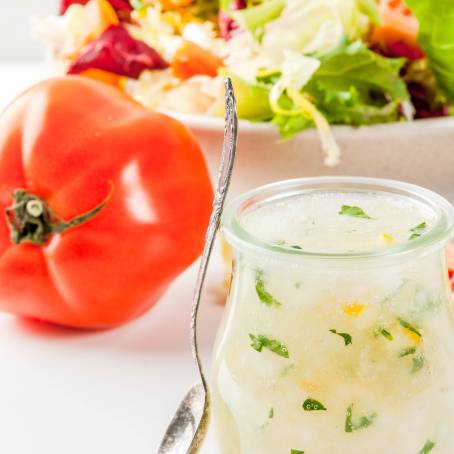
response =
{"points": [[188, 427]]}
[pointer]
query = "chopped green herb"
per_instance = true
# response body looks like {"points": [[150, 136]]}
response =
{"points": [[417, 231], [407, 351], [418, 363], [385, 333], [408, 326], [313, 405], [260, 342], [295, 246], [264, 296], [297, 285], [427, 447], [355, 212], [362, 423], [271, 413], [296, 451], [346, 336]]}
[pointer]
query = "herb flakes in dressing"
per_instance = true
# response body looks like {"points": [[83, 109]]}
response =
{"points": [[355, 212], [427, 447], [361, 423], [313, 405], [260, 342], [264, 296], [347, 338]]}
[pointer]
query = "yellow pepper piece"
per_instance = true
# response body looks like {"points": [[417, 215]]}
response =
{"points": [[353, 309], [387, 239], [412, 336]]}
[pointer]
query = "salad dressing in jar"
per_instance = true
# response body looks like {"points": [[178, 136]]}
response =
{"points": [[339, 334]]}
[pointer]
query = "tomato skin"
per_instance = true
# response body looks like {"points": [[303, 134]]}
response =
{"points": [[72, 141]]}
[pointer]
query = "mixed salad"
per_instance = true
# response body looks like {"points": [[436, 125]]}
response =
{"points": [[294, 63]]}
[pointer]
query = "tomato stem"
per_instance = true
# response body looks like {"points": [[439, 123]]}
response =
{"points": [[31, 220]]}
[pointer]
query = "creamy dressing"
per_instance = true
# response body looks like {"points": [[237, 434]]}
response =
{"points": [[372, 343]]}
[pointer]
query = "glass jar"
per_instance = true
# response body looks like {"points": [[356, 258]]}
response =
{"points": [[336, 353]]}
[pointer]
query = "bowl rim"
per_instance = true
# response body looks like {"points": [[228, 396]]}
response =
{"points": [[216, 124]]}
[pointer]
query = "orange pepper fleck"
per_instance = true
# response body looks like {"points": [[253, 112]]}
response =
{"points": [[308, 386]]}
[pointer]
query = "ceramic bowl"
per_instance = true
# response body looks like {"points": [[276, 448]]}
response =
{"points": [[420, 152]]}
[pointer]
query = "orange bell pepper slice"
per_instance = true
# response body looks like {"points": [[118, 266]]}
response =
{"points": [[191, 60]]}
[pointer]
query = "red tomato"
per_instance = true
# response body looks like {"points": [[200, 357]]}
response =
{"points": [[69, 143], [398, 32]]}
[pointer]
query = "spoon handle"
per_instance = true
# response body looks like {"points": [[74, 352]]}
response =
{"points": [[224, 177]]}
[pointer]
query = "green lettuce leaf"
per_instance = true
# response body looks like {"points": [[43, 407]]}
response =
{"points": [[436, 36], [252, 100], [257, 16], [356, 86]]}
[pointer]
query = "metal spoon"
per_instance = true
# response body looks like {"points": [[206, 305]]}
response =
{"points": [[188, 427]]}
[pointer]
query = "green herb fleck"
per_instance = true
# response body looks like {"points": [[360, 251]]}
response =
{"points": [[295, 246], [417, 231], [407, 351], [355, 212], [271, 413], [296, 451], [427, 447], [385, 333], [264, 296], [313, 405], [418, 363], [297, 285], [408, 326], [260, 342], [346, 336], [362, 423]]}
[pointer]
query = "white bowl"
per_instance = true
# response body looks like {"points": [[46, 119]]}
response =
{"points": [[420, 152]]}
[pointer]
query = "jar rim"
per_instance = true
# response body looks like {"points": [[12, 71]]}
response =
{"points": [[242, 240]]}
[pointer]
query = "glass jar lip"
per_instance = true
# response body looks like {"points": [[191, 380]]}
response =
{"points": [[243, 240]]}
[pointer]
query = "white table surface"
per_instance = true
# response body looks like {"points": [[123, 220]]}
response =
{"points": [[114, 392]]}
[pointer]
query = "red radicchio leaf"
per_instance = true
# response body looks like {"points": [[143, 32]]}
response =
{"points": [[122, 7], [424, 108], [227, 26], [117, 52], [401, 49]]}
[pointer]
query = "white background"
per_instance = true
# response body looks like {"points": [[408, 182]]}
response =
{"points": [[15, 38]]}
